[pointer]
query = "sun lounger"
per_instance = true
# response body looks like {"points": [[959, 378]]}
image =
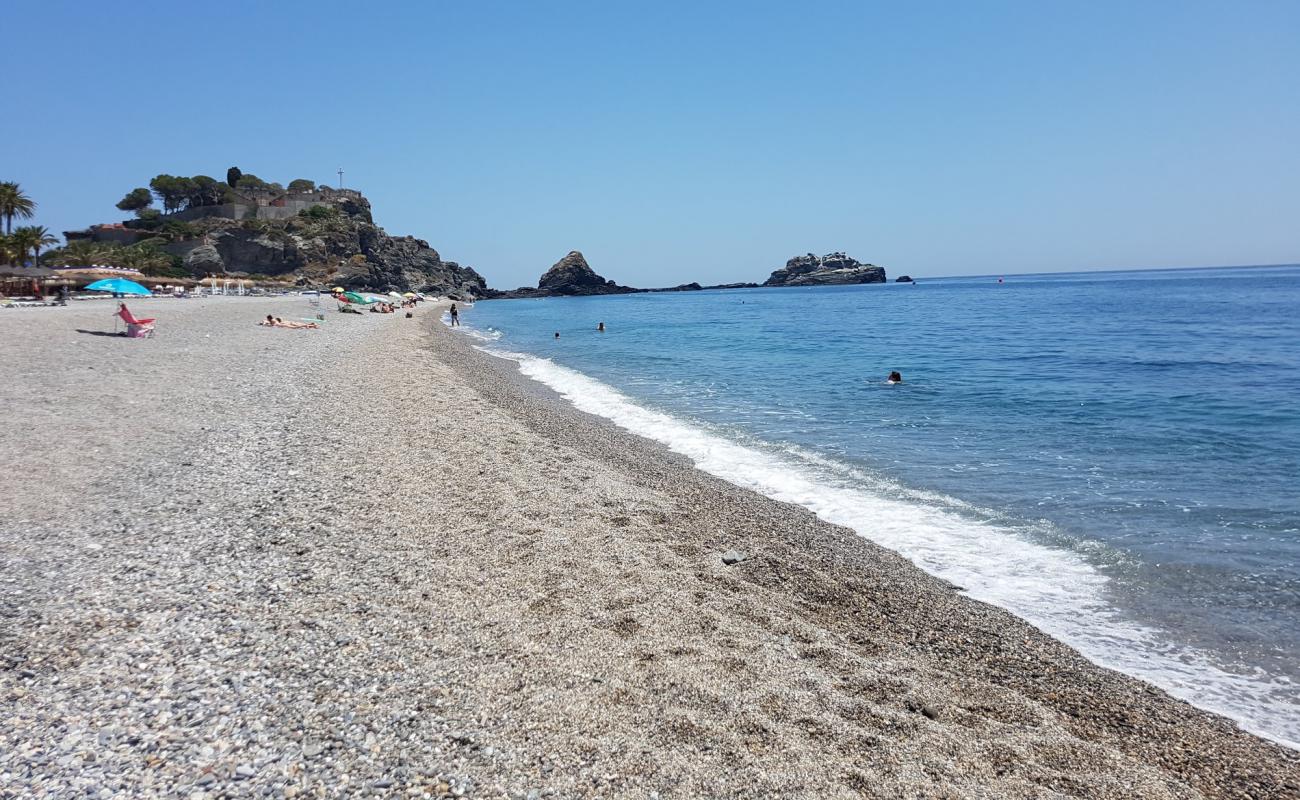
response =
{"points": [[135, 328]]}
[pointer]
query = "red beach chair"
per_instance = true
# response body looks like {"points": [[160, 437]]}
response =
{"points": [[135, 328]]}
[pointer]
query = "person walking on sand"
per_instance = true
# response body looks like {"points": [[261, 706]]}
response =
{"points": [[455, 316]]}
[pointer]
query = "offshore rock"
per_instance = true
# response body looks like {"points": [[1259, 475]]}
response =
{"points": [[571, 276], [829, 270], [904, 279]]}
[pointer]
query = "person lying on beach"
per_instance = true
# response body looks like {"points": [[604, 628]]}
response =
{"points": [[276, 322]]}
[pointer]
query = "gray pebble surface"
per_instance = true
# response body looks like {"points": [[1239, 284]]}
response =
{"points": [[372, 561]]}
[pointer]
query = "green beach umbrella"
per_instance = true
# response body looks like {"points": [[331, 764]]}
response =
{"points": [[353, 297]]}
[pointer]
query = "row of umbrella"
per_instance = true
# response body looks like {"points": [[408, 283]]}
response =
{"points": [[367, 299], [124, 286]]}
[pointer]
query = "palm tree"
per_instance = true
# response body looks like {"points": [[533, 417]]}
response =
{"points": [[23, 240], [78, 254], [13, 203], [41, 237]]}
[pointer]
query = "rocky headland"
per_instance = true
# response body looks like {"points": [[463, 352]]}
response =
{"points": [[832, 269], [342, 251], [304, 235]]}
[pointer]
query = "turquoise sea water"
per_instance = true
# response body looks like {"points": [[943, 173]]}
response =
{"points": [[1114, 456]]}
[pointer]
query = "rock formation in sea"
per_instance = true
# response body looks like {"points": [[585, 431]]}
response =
{"points": [[571, 276], [904, 279], [827, 270]]}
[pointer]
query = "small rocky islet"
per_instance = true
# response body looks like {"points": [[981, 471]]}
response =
{"points": [[573, 276]]}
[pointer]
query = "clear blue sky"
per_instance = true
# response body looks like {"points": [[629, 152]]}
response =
{"points": [[673, 141]]}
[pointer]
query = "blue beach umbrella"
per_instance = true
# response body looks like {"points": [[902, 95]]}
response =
{"points": [[119, 285]]}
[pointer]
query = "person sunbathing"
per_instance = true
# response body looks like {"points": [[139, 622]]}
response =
{"points": [[276, 322]]}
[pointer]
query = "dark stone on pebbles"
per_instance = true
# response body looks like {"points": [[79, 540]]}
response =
{"points": [[733, 557]]}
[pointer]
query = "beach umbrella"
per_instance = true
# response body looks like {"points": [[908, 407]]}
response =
{"points": [[409, 294], [119, 285], [353, 297], [394, 294], [339, 290]]}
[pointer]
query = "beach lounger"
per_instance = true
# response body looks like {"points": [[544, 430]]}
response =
{"points": [[135, 328]]}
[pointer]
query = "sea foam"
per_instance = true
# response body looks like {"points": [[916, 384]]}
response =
{"points": [[1054, 589]]}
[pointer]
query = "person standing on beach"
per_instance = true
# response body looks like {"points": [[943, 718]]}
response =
{"points": [[455, 316]]}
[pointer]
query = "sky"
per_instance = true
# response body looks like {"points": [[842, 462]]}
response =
{"points": [[674, 142]]}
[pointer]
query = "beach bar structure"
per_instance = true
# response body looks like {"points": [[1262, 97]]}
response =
{"points": [[42, 281]]}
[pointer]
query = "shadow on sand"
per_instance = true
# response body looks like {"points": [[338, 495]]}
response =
{"points": [[100, 333]]}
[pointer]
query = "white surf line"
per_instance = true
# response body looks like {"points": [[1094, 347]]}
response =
{"points": [[1055, 590]]}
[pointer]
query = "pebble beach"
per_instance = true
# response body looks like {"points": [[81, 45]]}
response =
{"points": [[371, 561]]}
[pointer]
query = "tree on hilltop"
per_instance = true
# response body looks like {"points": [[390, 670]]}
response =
{"points": [[207, 191], [250, 181], [302, 185], [136, 200], [15, 203], [173, 191], [232, 176]]}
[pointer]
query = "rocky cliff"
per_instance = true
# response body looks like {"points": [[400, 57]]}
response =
{"points": [[339, 250], [571, 276], [827, 270]]}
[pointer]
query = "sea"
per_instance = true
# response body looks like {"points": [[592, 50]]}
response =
{"points": [[1114, 457]]}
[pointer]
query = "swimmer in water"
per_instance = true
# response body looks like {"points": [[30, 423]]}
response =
{"points": [[895, 377], [600, 326], [557, 334]]}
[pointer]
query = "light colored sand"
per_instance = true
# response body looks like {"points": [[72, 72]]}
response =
{"points": [[369, 560]]}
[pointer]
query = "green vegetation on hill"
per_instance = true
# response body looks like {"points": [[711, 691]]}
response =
{"points": [[177, 193]]}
